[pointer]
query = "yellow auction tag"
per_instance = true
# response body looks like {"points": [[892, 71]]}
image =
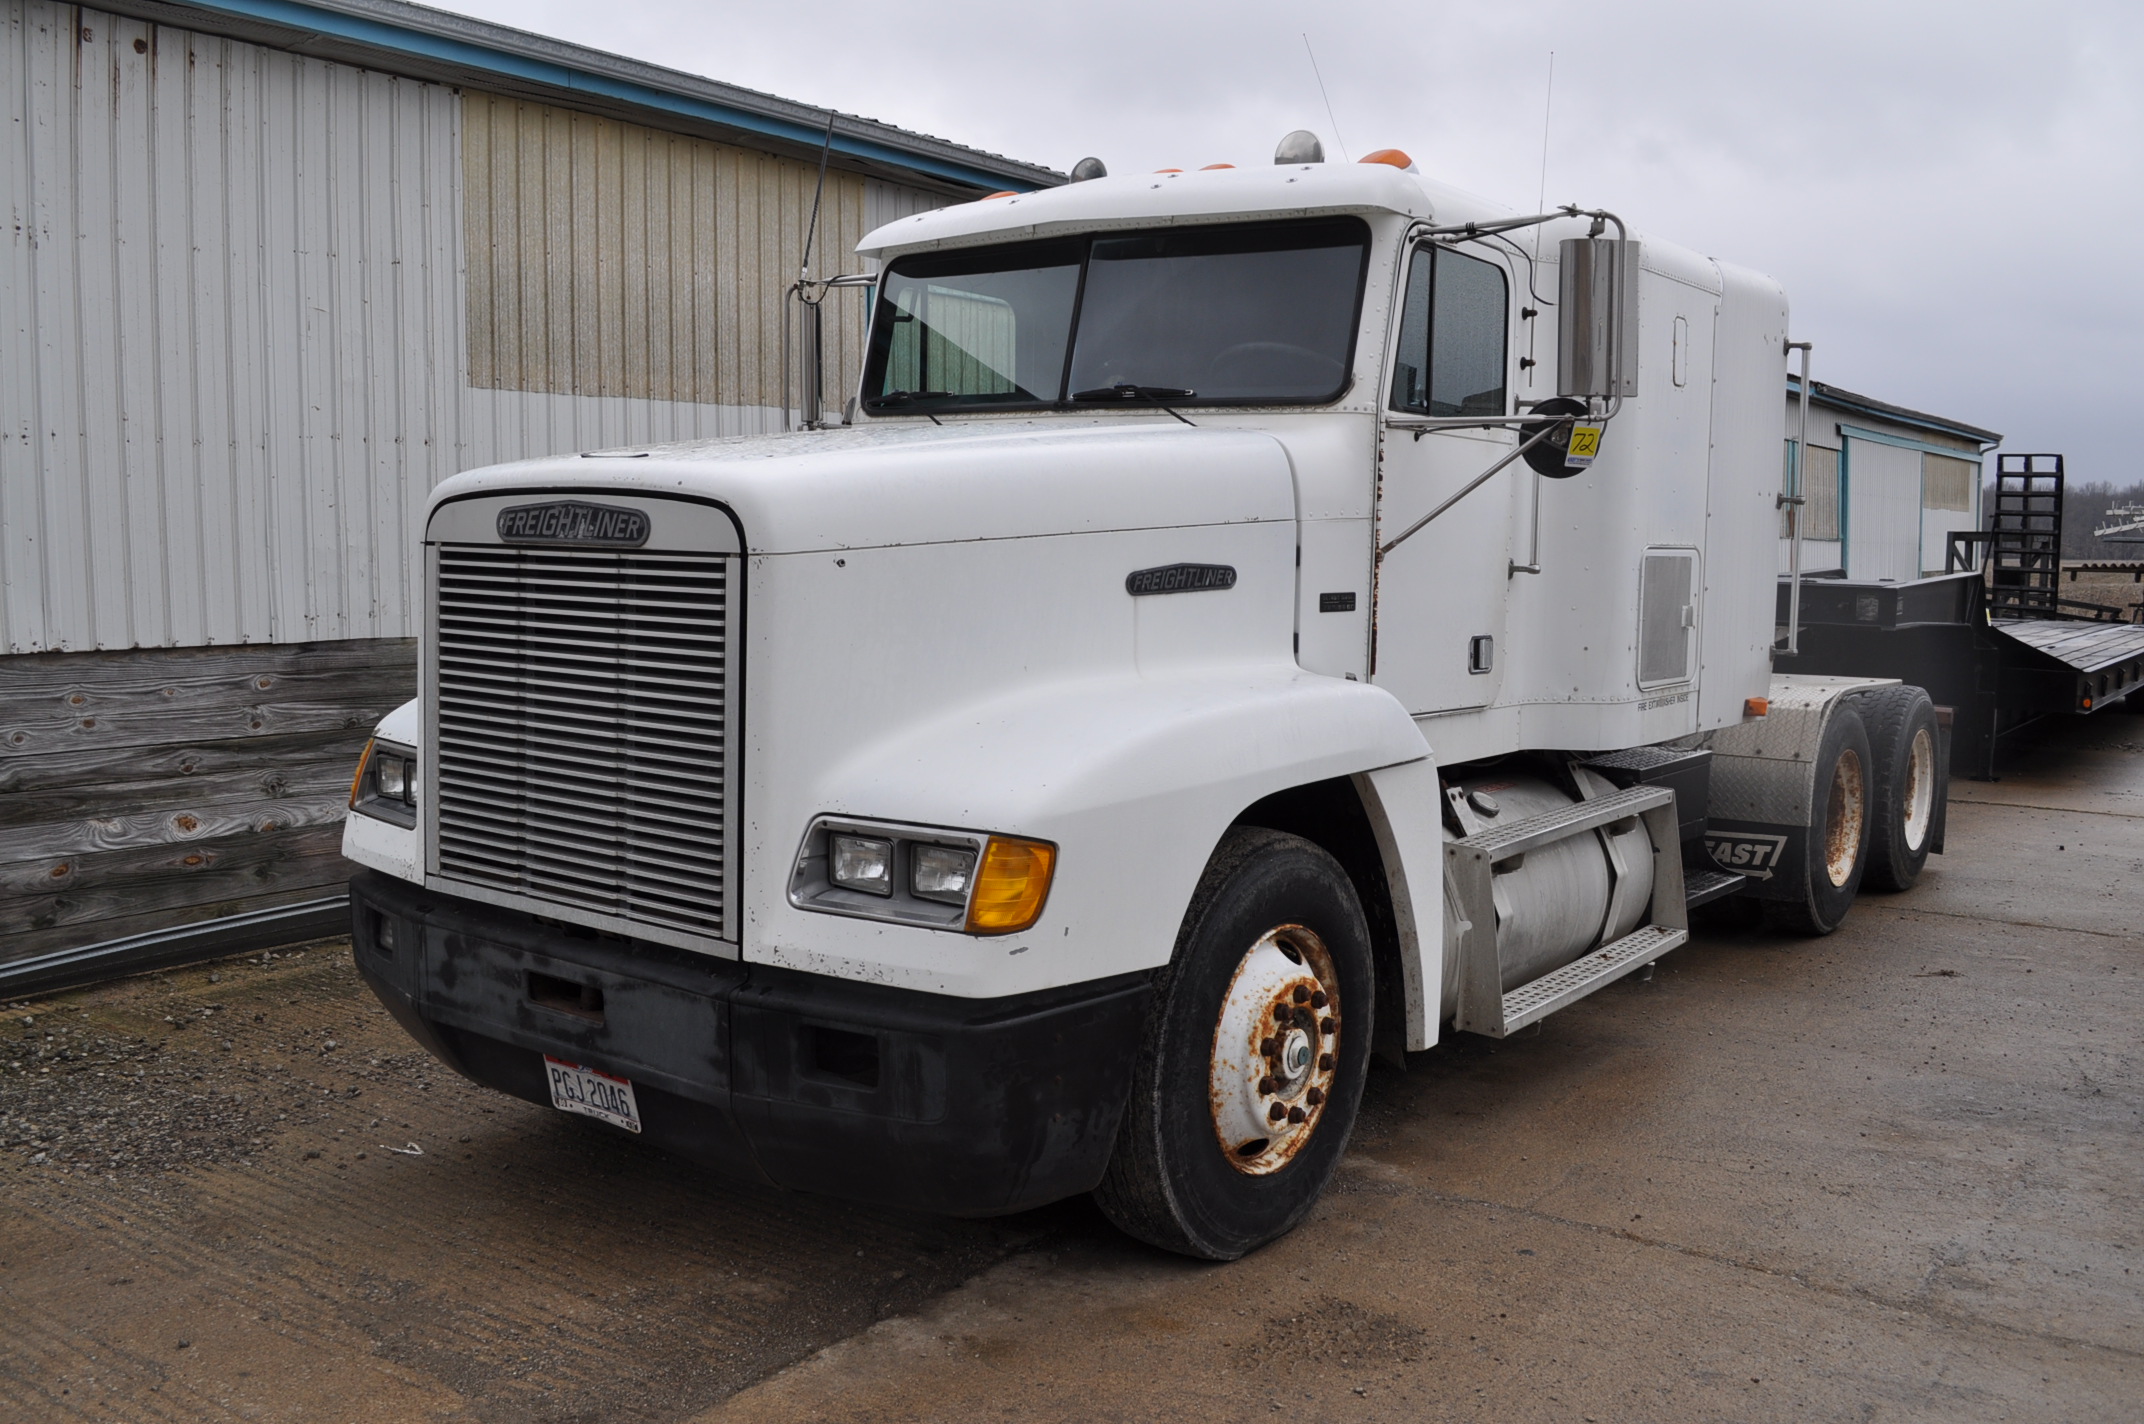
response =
{"points": [[1585, 444]]}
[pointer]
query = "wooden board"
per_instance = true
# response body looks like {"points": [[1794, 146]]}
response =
{"points": [[147, 789]]}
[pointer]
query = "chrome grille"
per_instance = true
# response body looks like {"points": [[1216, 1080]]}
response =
{"points": [[582, 701]]}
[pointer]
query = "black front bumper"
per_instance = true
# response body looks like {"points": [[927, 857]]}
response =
{"points": [[960, 1106]]}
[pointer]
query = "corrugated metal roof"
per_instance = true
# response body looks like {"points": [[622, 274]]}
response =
{"points": [[434, 44], [1839, 399]]}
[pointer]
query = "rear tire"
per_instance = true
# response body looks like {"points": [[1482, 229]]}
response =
{"points": [[1909, 784], [1838, 840], [1257, 1042]]}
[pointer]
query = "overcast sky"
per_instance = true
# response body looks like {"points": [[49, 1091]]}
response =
{"points": [[1950, 192]]}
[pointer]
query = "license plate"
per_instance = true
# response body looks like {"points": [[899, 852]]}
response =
{"points": [[599, 1095]]}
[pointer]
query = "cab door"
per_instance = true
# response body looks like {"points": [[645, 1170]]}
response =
{"points": [[1441, 595]]}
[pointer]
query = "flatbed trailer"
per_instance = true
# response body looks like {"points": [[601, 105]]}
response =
{"points": [[1996, 674]]}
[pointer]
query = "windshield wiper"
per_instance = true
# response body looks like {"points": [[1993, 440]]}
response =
{"points": [[1150, 395], [906, 398]]}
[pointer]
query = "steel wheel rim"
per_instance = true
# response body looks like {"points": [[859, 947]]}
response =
{"points": [[1844, 810], [1276, 1049], [1919, 799]]}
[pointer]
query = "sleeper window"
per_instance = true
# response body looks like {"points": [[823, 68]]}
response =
{"points": [[1453, 325]]}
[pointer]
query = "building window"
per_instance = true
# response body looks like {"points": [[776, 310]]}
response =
{"points": [[1947, 483], [1820, 516]]}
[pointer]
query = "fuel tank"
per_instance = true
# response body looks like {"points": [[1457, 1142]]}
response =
{"points": [[1561, 901]]}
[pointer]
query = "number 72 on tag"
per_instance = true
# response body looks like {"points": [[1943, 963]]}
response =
{"points": [[1585, 445]]}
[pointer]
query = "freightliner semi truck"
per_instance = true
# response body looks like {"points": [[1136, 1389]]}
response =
{"points": [[1247, 621]]}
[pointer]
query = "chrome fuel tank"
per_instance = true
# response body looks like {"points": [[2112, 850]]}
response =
{"points": [[1556, 903]]}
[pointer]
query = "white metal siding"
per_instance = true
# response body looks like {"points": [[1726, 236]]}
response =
{"points": [[1883, 511], [228, 380], [233, 352]]}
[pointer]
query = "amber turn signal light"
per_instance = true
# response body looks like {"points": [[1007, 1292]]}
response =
{"points": [[1011, 885], [1756, 706], [364, 759]]}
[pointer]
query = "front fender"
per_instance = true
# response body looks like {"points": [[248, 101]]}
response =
{"points": [[1134, 777]]}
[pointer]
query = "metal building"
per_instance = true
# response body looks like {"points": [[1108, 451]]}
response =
{"points": [[273, 270], [1886, 486]]}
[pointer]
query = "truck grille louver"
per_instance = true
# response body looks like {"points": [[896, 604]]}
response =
{"points": [[582, 748]]}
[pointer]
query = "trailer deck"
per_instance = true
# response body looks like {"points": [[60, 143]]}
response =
{"points": [[2107, 658]]}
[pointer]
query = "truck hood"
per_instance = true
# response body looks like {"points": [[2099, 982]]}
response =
{"points": [[891, 484]]}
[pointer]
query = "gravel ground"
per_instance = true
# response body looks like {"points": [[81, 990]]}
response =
{"points": [[241, 1192]]}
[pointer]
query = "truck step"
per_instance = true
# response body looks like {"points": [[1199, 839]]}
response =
{"points": [[1497, 843], [1702, 887], [1554, 990]]}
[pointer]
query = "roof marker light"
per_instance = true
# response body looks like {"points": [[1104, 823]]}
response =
{"points": [[1392, 156], [1302, 146], [1212, 166], [1168, 170], [1008, 193]]}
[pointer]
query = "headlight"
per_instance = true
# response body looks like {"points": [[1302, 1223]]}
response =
{"points": [[861, 863], [922, 875], [941, 872], [385, 786]]}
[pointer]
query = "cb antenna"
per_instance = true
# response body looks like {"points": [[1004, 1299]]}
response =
{"points": [[1547, 107], [1338, 141], [812, 232], [800, 293]]}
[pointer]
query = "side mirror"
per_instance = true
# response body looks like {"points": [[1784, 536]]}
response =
{"points": [[1597, 318]]}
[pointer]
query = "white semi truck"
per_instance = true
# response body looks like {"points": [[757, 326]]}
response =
{"points": [[1249, 619]]}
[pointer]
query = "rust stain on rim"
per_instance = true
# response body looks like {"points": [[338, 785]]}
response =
{"points": [[1276, 1050]]}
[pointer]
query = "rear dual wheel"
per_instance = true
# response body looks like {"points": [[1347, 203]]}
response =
{"points": [[1256, 1047], [1836, 847], [1909, 784]]}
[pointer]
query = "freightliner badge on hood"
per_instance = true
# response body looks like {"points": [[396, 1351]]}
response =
{"points": [[570, 521], [1180, 578]]}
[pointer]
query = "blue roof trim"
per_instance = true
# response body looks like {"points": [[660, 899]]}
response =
{"points": [[1821, 394], [1907, 442], [296, 15]]}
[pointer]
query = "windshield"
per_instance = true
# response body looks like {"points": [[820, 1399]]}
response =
{"points": [[1248, 314]]}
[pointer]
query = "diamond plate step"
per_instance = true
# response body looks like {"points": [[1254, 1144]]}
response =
{"points": [[1557, 988], [1503, 842], [1702, 887]]}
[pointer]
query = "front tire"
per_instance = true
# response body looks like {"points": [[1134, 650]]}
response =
{"points": [[1837, 844], [1252, 1067]]}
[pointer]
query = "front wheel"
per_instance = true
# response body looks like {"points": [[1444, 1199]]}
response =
{"points": [[1256, 1046]]}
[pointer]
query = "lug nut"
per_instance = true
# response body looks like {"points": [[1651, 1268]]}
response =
{"points": [[1325, 1063], [1318, 1000], [1314, 1097], [1267, 1047], [1302, 995], [1328, 1026], [1296, 1114], [1268, 1085], [1278, 1113]]}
